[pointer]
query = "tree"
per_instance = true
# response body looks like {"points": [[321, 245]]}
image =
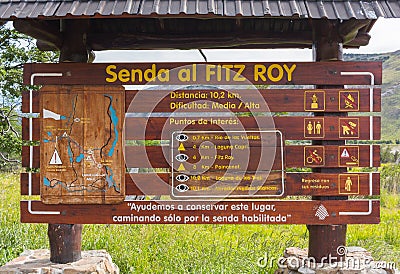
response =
{"points": [[15, 50], [386, 155]]}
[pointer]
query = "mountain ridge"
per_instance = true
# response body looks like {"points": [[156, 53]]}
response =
{"points": [[390, 90]]}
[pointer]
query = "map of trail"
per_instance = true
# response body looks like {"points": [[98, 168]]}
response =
{"points": [[81, 147]]}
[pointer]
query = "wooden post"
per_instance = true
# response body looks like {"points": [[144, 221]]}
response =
{"points": [[66, 239], [325, 239], [65, 243]]}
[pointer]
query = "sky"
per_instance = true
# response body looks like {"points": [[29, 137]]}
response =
{"points": [[384, 38]]}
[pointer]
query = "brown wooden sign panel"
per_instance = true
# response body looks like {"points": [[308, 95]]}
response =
{"points": [[303, 183], [206, 212], [293, 128], [260, 184], [322, 184], [295, 156], [263, 100], [70, 115], [263, 184], [289, 73], [291, 100], [81, 155]]}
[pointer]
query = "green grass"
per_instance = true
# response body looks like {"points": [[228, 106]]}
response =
{"points": [[190, 248]]}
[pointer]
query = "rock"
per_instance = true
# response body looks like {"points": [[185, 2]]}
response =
{"points": [[353, 249], [358, 252], [349, 271], [38, 261], [357, 261], [295, 251], [292, 263], [377, 271], [305, 270], [281, 271], [391, 271]]}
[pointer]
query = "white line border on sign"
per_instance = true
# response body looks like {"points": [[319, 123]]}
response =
{"points": [[358, 213], [371, 133], [39, 74], [371, 88], [371, 96]]}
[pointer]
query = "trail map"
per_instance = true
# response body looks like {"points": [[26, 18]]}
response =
{"points": [[81, 146]]}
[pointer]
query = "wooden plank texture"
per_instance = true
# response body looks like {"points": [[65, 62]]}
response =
{"points": [[294, 156], [73, 131], [206, 212], [302, 184], [289, 73], [81, 153], [262, 100], [277, 100], [260, 184], [293, 128]]}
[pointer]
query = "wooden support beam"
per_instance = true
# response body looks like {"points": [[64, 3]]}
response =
{"points": [[45, 46], [107, 41], [362, 39], [363, 36], [74, 46], [324, 240], [350, 30], [45, 31], [65, 242], [66, 239]]}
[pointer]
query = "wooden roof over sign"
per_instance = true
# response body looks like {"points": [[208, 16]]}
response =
{"points": [[189, 24], [330, 9]]}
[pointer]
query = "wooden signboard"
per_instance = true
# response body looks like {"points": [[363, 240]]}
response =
{"points": [[293, 127], [81, 158], [261, 100], [290, 73], [295, 156], [296, 183], [235, 147], [274, 100], [206, 212]]}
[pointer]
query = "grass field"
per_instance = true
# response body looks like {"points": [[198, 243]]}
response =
{"points": [[191, 248]]}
